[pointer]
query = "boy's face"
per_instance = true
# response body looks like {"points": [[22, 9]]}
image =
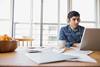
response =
{"points": [[74, 21]]}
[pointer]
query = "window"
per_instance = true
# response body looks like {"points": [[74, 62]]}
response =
{"points": [[28, 12], [87, 11], [22, 11], [63, 11], [50, 13], [54, 15], [5, 21], [36, 15], [27, 18], [22, 18]]}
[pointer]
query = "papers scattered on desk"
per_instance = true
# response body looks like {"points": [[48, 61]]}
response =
{"points": [[87, 52], [83, 58], [78, 54], [82, 55], [47, 57]]}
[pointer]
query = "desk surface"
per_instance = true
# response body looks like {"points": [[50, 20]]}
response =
{"points": [[18, 58]]}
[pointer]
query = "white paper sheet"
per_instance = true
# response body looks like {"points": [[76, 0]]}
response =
{"points": [[79, 52], [73, 50], [81, 57]]}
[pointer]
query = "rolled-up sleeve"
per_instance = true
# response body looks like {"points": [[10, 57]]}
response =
{"points": [[62, 36], [69, 44]]}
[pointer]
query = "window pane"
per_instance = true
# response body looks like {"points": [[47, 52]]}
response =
{"points": [[50, 11], [63, 11], [36, 22], [50, 18], [50, 35], [88, 25], [5, 24], [5, 28], [36, 10], [22, 30], [4, 9], [36, 34], [22, 11], [86, 9]]}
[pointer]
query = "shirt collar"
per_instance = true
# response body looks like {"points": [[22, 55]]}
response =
{"points": [[75, 30]]}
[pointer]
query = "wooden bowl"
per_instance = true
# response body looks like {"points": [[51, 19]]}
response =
{"points": [[8, 46]]}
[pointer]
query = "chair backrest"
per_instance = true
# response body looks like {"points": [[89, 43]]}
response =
{"points": [[24, 42]]}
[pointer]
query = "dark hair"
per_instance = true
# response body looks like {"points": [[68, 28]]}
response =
{"points": [[72, 13]]}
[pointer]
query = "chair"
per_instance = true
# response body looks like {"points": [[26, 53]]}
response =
{"points": [[24, 42]]}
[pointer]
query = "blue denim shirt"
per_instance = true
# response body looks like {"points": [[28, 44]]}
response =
{"points": [[71, 36]]}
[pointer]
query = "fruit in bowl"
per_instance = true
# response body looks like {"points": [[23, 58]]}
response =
{"points": [[7, 44], [5, 37]]}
